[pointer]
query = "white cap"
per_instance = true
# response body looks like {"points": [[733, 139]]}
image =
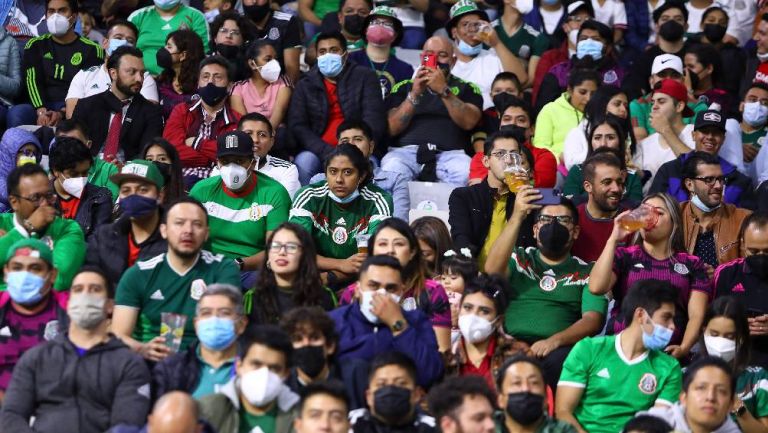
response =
{"points": [[667, 61], [575, 5]]}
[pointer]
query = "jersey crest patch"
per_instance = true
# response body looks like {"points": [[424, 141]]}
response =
{"points": [[647, 383], [196, 289], [76, 59], [340, 235], [51, 330], [548, 283]]}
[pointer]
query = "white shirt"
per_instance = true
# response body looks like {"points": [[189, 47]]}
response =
{"points": [[575, 145], [651, 156], [694, 17], [409, 16], [481, 70], [551, 19], [612, 13], [95, 79], [284, 172], [651, 24], [741, 15]]}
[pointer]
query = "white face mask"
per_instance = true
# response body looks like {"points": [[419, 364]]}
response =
{"points": [[86, 311], [74, 186], [270, 71], [261, 387], [234, 176], [572, 36], [366, 303], [524, 6], [474, 328], [720, 347], [58, 25]]}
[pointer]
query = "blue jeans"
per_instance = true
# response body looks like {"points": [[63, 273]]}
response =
{"points": [[413, 38], [308, 164], [25, 114], [452, 165]]}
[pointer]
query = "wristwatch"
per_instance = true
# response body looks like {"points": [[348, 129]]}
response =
{"points": [[240, 263], [739, 411], [446, 92], [398, 326]]}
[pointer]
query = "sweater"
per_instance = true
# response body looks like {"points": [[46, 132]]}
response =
{"points": [[554, 122]]}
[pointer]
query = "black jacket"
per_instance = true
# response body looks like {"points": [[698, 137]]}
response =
{"points": [[142, 122], [471, 209], [108, 248], [359, 94], [364, 422], [95, 209], [71, 393], [178, 372]]}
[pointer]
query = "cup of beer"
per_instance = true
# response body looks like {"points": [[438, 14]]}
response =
{"points": [[362, 243], [642, 217], [484, 32]]}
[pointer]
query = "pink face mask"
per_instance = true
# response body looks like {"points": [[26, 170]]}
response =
{"points": [[380, 35]]}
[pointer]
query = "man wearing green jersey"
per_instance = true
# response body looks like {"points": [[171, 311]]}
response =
{"points": [[606, 380], [172, 282]]}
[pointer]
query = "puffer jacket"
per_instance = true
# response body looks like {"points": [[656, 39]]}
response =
{"points": [[178, 372], [13, 140], [95, 209], [10, 68], [359, 94], [68, 392]]}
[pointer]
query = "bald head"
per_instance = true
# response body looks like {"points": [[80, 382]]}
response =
{"points": [[437, 44], [175, 412]]}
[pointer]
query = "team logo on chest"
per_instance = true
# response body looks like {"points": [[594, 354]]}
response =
{"points": [[681, 269], [548, 283], [196, 289], [340, 235], [647, 383]]}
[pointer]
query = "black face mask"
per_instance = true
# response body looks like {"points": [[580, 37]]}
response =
{"points": [[228, 51], [353, 24], [758, 265], [554, 239], [165, 170], [671, 31], [525, 408], [502, 101], [445, 67], [257, 12], [212, 94], [714, 32], [164, 59], [392, 403], [694, 79], [310, 359]]}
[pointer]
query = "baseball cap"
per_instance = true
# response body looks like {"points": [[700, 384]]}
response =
{"points": [[31, 248], [141, 170], [578, 4], [461, 8], [388, 12], [676, 90], [236, 143], [667, 61], [710, 117]]}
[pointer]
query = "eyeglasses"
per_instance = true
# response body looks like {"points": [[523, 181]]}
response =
{"points": [[472, 26], [290, 247], [381, 22], [501, 154], [48, 197], [710, 180], [230, 32], [562, 219]]}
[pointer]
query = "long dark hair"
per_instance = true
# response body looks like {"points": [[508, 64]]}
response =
{"points": [[415, 271], [356, 157], [307, 289], [189, 41], [621, 133], [730, 308], [432, 231], [596, 111], [174, 180]]}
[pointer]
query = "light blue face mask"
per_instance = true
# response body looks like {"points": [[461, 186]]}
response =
{"points": [[216, 333], [24, 287], [755, 114], [330, 64], [166, 4], [115, 44], [355, 194], [550, 2], [660, 337], [589, 47], [696, 201], [469, 50]]}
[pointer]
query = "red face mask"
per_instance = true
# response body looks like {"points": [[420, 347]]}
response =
{"points": [[380, 35]]}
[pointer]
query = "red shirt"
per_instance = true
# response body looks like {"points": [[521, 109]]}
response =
{"points": [[544, 167], [133, 250], [484, 370], [593, 235], [69, 207], [335, 116]]}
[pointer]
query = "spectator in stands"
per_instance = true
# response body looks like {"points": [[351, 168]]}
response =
{"points": [[166, 159], [704, 70], [661, 254], [324, 407], [754, 119], [194, 127], [261, 131], [289, 277], [244, 206], [753, 72], [605, 183], [312, 13], [35, 216], [120, 119], [86, 378], [549, 268], [382, 30], [376, 323], [634, 372], [463, 404], [96, 79], [434, 240], [31, 312], [561, 115], [392, 397], [46, 80], [504, 89], [179, 61], [469, 28], [136, 234], [523, 395], [175, 412], [265, 90], [360, 135], [335, 228], [170, 282], [333, 91], [10, 69], [231, 33], [430, 119], [88, 204], [282, 29], [100, 170], [478, 213], [256, 398], [708, 135], [205, 368], [646, 424], [17, 147], [706, 400], [157, 22], [519, 37]]}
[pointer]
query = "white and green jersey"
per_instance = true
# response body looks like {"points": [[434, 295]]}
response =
{"points": [[239, 221], [154, 287], [333, 225], [752, 389], [616, 388]]}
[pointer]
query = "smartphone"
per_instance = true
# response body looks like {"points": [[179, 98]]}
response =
{"points": [[429, 60], [753, 312], [549, 196]]}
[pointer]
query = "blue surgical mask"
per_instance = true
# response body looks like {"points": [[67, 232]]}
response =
{"points": [[550, 2], [659, 339], [216, 333], [755, 114], [469, 50], [330, 64], [166, 4], [24, 287], [355, 194], [115, 44], [696, 201], [589, 47]]}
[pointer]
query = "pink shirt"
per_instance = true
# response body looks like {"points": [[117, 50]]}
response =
{"points": [[255, 103]]}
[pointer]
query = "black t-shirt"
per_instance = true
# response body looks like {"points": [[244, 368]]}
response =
{"points": [[431, 122], [282, 30]]}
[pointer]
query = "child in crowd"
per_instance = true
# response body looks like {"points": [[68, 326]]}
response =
{"points": [[457, 269]]}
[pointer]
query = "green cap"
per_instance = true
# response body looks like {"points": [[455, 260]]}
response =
{"points": [[388, 12], [30, 248], [461, 8], [141, 170], [384, 11]]}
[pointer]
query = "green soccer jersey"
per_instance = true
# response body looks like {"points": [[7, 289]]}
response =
{"points": [[240, 221], [266, 423], [154, 287], [333, 225], [525, 43], [153, 29], [100, 173], [562, 291], [756, 138], [752, 389], [616, 388]]}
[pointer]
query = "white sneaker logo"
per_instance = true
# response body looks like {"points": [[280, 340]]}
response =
{"points": [[5, 332], [604, 373], [157, 296]]}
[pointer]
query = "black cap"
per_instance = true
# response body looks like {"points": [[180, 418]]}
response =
{"points": [[709, 117], [234, 143]]}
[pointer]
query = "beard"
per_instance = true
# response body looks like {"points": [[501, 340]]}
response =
{"points": [[602, 203], [125, 88]]}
